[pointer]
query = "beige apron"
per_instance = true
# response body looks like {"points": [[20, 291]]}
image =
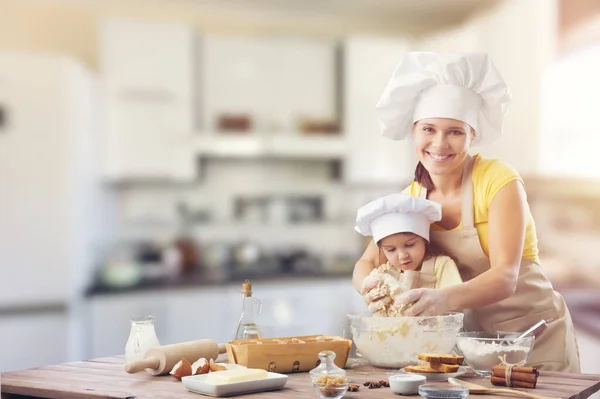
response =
{"points": [[534, 299], [424, 278]]}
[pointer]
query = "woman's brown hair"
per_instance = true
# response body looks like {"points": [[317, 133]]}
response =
{"points": [[423, 177]]}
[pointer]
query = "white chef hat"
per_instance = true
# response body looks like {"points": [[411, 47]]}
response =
{"points": [[397, 213], [462, 86]]}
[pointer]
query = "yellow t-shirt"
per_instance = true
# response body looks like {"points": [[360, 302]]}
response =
{"points": [[445, 272], [489, 177]]}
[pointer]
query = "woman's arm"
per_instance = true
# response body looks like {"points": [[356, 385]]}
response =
{"points": [[365, 265], [506, 237]]}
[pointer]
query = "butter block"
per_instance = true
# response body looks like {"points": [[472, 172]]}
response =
{"points": [[237, 375]]}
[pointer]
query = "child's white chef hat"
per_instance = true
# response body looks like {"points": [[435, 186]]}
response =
{"points": [[462, 86], [397, 213]]}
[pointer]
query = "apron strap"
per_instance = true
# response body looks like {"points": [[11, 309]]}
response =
{"points": [[428, 266], [467, 209]]}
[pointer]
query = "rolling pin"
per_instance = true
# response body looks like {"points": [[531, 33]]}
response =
{"points": [[162, 359]]}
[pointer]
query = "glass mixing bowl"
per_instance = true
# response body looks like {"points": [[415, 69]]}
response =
{"points": [[395, 342]]}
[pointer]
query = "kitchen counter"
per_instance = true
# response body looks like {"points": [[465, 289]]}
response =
{"points": [[200, 279], [105, 378]]}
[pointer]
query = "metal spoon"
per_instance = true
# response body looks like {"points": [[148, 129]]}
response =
{"points": [[534, 330]]}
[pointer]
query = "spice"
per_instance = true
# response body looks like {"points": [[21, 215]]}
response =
{"points": [[376, 384], [514, 376], [353, 387], [330, 385]]}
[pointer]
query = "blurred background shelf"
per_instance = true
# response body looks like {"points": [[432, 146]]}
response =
{"points": [[256, 145]]}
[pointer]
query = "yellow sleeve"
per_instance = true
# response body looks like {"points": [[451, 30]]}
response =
{"points": [[489, 177], [413, 189], [445, 272]]}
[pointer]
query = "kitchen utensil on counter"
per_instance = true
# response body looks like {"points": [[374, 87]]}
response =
{"points": [[480, 389], [394, 342], [142, 336], [328, 379], [406, 384], [437, 376], [198, 384], [287, 354], [435, 391], [160, 360], [483, 350], [535, 330]]}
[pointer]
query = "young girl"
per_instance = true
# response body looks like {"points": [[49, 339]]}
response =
{"points": [[399, 224]]}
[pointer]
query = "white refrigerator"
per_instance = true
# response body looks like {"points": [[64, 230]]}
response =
{"points": [[55, 213]]}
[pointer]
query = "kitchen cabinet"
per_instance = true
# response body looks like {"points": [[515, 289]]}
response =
{"points": [[32, 339], [148, 98], [372, 158], [109, 324], [272, 80], [204, 312]]}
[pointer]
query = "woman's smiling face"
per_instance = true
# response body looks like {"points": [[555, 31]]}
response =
{"points": [[442, 144]]}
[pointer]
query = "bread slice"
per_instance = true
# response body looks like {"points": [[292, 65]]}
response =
{"points": [[444, 368], [420, 368], [443, 358]]}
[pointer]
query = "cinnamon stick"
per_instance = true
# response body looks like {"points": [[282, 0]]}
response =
{"points": [[516, 376], [501, 381], [520, 369]]}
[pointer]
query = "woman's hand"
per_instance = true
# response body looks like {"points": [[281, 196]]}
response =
{"points": [[423, 302]]}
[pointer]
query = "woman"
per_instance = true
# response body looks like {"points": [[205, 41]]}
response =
{"points": [[450, 102]]}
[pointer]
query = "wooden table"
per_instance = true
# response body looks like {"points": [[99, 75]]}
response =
{"points": [[105, 378]]}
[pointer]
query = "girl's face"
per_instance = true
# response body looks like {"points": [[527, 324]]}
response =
{"points": [[442, 144], [404, 251]]}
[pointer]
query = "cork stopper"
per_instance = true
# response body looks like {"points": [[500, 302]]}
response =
{"points": [[247, 288]]}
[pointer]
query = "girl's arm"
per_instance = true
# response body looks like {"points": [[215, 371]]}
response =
{"points": [[506, 237], [365, 265]]}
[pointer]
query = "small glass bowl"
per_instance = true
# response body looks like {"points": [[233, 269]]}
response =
{"points": [[333, 392], [483, 350], [443, 391]]}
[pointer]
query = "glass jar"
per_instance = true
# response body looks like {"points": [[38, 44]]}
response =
{"points": [[328, 379], [142, 337]]}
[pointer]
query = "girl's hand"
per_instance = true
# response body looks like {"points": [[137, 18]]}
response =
{"points": [[374, 296], [370, 282]]}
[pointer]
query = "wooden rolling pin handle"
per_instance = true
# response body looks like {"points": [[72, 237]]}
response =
{"points": [[136, 366]]}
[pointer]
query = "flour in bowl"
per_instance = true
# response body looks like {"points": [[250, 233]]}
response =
{"points": [[481, 355]]}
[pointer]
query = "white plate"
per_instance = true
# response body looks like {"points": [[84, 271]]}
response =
{"points": [[197, 384], [439, 376]]}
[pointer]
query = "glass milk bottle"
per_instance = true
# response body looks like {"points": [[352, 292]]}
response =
{"points": [[142, 337]]}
